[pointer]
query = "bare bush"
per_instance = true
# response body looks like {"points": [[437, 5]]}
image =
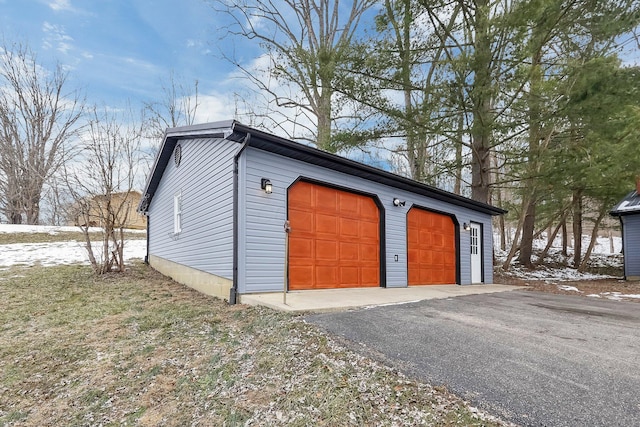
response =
{"points": [[100, 183]]}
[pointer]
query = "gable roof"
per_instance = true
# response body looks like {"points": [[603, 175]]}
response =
{"points": [[627, 206], [237, 132]]}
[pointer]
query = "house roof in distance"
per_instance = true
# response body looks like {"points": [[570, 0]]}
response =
{"points": [[627, 206], [239, 133]]}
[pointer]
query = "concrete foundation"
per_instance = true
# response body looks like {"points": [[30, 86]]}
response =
{"points": [[201, 281]]}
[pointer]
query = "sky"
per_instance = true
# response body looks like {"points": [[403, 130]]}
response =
{"points": [[119, 51]]}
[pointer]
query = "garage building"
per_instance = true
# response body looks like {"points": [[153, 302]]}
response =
{"points": [[233, 210], [628, 211]]}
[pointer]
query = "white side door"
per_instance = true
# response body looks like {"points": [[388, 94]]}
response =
{"points": [[476, 253]]}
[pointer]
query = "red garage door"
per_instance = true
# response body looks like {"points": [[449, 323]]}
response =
{"points": [[334, 240], [431, 247]]}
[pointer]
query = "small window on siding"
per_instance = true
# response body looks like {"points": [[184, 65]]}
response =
{"points": [[177, 213]]}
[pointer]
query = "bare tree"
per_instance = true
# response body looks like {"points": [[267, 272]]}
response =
{"points": [[37, 118], [307, 45], [100, 182]]}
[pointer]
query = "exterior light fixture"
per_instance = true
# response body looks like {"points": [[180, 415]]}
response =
{"points": [[398, 202], [265, 184], [466, 227]]}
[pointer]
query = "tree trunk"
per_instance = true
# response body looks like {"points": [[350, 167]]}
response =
{"points": [[552, 236], [611, 247], [324, 121], [498, 192], [481, 99], [503, 233], [514, 246], [457, 188], [577, 227], [15, 218], [565, 238], [592, 242], [33, 210], [533, 100], [528, 226]]}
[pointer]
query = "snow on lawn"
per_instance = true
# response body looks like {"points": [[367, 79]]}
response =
{"points": [[556, 274], [601, 256], [617, 296], [568, 288], [49, 229], [56, 253]]}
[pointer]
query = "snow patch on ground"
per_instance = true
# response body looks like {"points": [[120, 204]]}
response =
{"points": [[57, 253], [568, 288], [49, 229], [601, 257], [606, 255], [617, 296]]}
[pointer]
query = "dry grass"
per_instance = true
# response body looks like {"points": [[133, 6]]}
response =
{"points": [[139, 349], [61, 236]]}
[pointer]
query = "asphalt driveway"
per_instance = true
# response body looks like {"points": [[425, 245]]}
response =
{"points": [[532, 358]]}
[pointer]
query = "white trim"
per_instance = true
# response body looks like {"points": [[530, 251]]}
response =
{"points": [[475, 249], [177, 213]]}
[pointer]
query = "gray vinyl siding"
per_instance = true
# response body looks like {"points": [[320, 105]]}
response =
{"points": [[631, 241], [261, 243], [205, 180]]}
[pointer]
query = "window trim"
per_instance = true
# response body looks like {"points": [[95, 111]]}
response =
{"points": [[177, 213]]}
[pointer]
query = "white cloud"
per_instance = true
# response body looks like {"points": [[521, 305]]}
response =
{"points": [[215, 106], [198, 44], [56, 38], [59, 5]]}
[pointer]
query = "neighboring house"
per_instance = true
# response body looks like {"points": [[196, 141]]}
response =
{"points": [[628, 211], [221, 195], [128, 218]]}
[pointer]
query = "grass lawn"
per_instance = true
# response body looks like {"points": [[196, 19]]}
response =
{"points": [[62, 236], [140, 349]]}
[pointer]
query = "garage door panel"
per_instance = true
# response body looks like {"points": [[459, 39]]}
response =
{"points": [[450, 263], [425, 257], [349, 206], [413, 255], [300, 198], [343, 235], [325, 200], [424, 238], [368, 254], [301, 274], [299, 219], [413, 276], [349, 275], [300, 248], [327, 224], [349, 251], [326, 250], [368, 210], [431, 248], [367, 230], [326, 276], [370, 276], [348, 227]]}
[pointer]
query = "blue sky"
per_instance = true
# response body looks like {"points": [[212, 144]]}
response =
{"points": [[122, 50]]}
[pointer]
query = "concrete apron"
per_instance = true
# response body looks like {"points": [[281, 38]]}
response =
{"points": [[343, 299]]}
